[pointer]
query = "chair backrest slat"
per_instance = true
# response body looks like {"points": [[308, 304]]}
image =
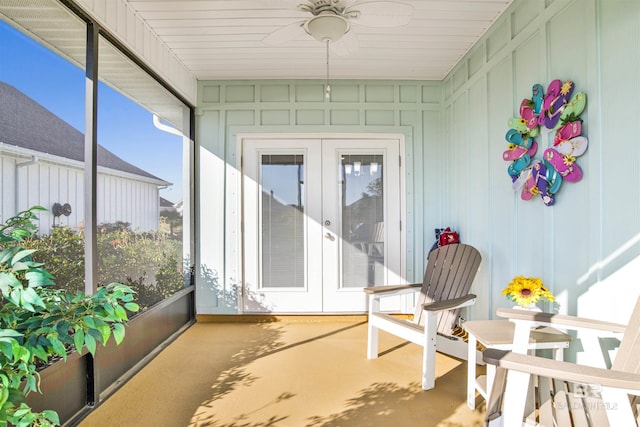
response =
{"points": [[449, 274], [628, 356]]}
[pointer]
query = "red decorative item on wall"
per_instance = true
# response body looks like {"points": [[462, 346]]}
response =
{"points": [[447, 237]]}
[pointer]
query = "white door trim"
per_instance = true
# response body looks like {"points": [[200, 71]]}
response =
{"points": [[241, 137]]}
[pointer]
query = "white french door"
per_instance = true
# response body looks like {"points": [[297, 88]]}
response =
{"points": [[321, 221]]}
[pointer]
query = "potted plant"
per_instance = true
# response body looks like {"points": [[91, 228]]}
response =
{"points": [[38, 323]]}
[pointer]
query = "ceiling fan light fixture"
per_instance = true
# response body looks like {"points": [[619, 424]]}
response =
{"points": [[327, 27]]}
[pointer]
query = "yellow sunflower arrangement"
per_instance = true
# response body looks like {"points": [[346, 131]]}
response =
{"points": [[527, 290]]}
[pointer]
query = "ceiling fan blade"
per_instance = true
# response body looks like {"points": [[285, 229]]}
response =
{"points": [[281, 4], [380, 14], [284, 34], [345, 45]]}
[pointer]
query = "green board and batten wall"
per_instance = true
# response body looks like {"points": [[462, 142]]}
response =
{"points": [[585, 247], [231, 108]]}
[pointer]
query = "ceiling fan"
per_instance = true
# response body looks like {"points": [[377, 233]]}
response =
{"points": [[330, 22]]}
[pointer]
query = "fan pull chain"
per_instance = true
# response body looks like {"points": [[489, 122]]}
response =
{"points": [[327, 93]]}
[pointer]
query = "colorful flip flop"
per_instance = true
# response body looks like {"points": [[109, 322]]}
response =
{"points": [[526, 112], [553, 90], [529, 188], [514, 152], [525, 182], [514, 137], [573, 147], [568, 131], [574, 108], [539, 175], [516, 167], [554, 179], [520, 124], [538, 97], [565, 165], [556, 107]]}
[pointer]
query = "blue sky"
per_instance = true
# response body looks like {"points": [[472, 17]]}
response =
{"points": [[124, 128]]}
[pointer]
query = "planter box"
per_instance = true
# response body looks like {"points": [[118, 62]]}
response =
{"points": [[66, 386], [145, 333]]}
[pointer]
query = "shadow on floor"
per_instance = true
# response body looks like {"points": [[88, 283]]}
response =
{"points": [[303, 374]]}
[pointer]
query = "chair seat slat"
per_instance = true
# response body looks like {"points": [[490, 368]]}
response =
{"points": [[561, 404], [530, 406], [596, 411], [545, 401], [576, 405]]}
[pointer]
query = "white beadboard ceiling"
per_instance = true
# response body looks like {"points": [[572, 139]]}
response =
{"points": [[219, 40]]}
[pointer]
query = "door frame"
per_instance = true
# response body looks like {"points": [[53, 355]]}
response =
{"points": [[241, 137]]}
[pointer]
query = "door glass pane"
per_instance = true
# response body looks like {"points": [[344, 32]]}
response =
{"points": [[282, 220], [362, 220]]}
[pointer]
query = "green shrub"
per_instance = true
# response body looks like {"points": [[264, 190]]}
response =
{"points": [[39, 322], [62, 252], [148, 262]]}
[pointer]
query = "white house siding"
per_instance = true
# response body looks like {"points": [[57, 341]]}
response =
{"points": [[7, 187], [587, 246], [120, 198], [228, 109]]}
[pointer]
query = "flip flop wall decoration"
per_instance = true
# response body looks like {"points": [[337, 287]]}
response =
{"points": [[558, 110]]}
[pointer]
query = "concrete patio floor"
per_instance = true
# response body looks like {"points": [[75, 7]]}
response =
{"points": [[304, 372]]}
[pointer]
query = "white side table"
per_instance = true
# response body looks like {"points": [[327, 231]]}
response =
{"points": [[499, 334]]}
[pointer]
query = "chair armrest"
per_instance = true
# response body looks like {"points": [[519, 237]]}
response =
{"points": [[384, 291], [560, 320], [564, 371], [449, 304]]}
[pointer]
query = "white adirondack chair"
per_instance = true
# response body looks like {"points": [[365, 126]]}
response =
{"points": [[444, 290], [530, 390]]}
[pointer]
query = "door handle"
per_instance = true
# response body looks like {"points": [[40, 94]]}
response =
{"points": [[329, 236]]}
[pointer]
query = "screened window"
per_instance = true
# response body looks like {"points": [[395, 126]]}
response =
{"points": [[143, 160]]}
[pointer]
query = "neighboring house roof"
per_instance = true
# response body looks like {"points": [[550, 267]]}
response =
{"points": [[164, 203], [179, 206], [27, 124]]}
